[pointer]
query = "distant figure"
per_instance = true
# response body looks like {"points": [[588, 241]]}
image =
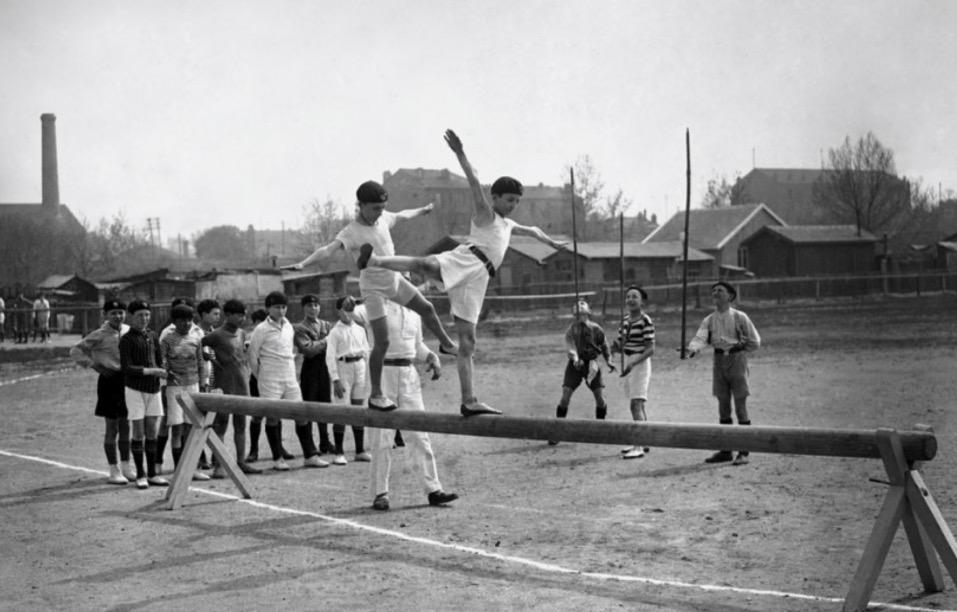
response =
{"points": [[3, 319], [732, 335], [22, 321], [41, 319], [584, 343]]}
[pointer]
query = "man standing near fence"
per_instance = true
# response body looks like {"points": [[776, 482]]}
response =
{"points": [[732, 335]]}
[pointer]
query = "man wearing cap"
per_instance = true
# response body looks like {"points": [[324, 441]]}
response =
{"points": [[100, 351], [347, 349], [465, 271], [636, 343], [584, 343], [310, 339], [732, 335], [370, 233]]}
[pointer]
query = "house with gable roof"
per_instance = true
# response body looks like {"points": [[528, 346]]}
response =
{"points": [[718, 232], [810, 250]]}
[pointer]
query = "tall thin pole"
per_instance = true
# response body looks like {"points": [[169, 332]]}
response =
{"points": [[574, 239], [684, 262], [621, 278]]}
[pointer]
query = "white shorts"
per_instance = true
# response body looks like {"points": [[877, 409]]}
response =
{"points": [[174, 412], [278, 388], [399, 291], [140, 405], [354, 376], [637, 381], [466, 281]]}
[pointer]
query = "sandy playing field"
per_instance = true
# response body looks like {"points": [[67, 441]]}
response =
{"points": [[567, 527]]}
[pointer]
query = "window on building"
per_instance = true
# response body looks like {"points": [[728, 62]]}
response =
{"points": [[743, 257]]}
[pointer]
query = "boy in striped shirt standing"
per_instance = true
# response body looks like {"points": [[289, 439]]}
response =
{"points": [[636, 342]]}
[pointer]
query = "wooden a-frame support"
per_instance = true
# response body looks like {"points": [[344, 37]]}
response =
{"points": [[200, 436], [909, 500]]}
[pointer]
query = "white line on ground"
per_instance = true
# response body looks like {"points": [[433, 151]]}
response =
{"points": [[14, 381], [539, 565]]}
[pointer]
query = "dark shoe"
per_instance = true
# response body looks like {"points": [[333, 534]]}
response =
{"points": [[440, 497], [252, 457], [477, 407], [286, 454], [248, 469], [381, 502], [741, 459], [365, 253], [397, 440], [720, 457], [381, 403], [553, 442], [454, 351]]}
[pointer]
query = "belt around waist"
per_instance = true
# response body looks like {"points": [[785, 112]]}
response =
{"points": [[350, 358], [399, 363], [726, 352], [484, 259]]}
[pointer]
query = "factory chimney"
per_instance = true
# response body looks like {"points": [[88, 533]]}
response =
{"points": [[51, 183]]}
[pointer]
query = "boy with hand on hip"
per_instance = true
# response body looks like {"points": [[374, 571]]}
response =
{"points": [[465, 271], [369, 233], [732, 335]]}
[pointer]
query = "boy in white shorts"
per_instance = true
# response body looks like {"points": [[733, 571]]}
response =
{"points": [[183, 360], [141, 362], [636, 342], [465, 271], [369, 233], [346, 350]]}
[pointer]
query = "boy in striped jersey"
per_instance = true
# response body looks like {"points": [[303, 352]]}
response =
{"points": [[636, 343]]}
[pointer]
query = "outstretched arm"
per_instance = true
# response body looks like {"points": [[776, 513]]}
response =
{"points": [[319, 255], [535, 232], [412, 213], [483, 212]]}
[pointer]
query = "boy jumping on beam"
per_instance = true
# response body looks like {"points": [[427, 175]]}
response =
{"points": [[465, 271]]}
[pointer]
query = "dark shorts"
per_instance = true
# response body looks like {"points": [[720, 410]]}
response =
{"points": [[730, 376], [314, 382], [574, 376], [110, 397]]}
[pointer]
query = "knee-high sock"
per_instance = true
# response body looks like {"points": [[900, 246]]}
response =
{"points": [[601, 412], [160, 448], [338, 436], [136, 449], [124, 446], [304, 433], [109, 448], [358, 434], [177, 453], [561, 411], [273, 433], [150, 457]]}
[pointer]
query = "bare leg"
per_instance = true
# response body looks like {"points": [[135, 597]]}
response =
{"points": [[430, 318], [466, 331], [380, 337]]}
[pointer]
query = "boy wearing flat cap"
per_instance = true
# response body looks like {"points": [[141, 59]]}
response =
{"points": [[370, 233], [100, 351], [732, 335]]}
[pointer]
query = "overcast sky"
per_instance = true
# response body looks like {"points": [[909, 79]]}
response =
{"points": [[238, 112]]}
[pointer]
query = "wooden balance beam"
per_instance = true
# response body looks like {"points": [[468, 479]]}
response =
{"points": [[908, 499]]}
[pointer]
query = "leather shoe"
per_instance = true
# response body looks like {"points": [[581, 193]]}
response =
{"points": [[720, 457], [381, 502], [454, 351], [365, 253], [381, 403], [286, 454], [440, 497], [477, 407], [249, 469]]}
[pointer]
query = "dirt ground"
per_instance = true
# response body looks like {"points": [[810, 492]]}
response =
{"points": [[567, 527]]}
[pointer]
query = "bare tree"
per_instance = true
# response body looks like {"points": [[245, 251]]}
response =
{"points": [[722, 193], [860, 185], [323, 220]]}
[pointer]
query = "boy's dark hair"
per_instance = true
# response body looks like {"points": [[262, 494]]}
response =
{"points": [[181, 311], [342, 300], [507, 184], [259, 315], [729, 287], [136, 305], [641, 292], [183, 300], [370, 192], [234, 306], [113, 304], [276, 298], [206, 306]]}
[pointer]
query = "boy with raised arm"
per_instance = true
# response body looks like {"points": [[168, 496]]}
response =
{"points": [[465, 271], [370, 231]]}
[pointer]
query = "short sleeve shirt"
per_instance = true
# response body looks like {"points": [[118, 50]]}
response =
{"points": [[379, 235]]}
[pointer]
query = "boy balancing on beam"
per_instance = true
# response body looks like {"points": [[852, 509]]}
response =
{"points": [[465, 271], [370, 229]]}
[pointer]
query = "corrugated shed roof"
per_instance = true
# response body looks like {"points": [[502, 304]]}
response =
{"points": [[709, 228], [662, 250], [55, 281], [822, 233]]}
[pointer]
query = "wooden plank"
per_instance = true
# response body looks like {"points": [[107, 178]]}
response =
{"points": [[862, 585], [933, 522], [916, 445]]}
